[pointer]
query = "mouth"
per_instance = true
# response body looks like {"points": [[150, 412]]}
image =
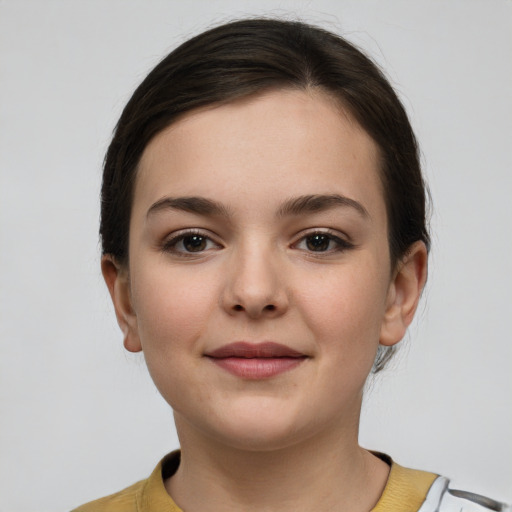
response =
{"points": [[256, 361]]}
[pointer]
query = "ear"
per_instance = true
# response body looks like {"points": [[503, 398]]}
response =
{"points": [[404, 294], [118, 284]]}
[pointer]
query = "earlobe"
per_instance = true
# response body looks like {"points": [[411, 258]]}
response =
{"points": [[118, 284], [404, 294]]}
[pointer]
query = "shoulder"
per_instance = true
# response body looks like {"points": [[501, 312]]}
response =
{"points": [[413, 490], [122, 501], [147, 495], [441, 498]]}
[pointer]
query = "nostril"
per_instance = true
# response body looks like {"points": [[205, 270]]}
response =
{"points": [[267, 308]]}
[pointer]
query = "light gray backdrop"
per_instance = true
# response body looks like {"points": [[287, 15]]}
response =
{"points": [[79, 417]]}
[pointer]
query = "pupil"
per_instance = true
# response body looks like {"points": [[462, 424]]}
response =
{"points": [[194, 243], [318, 242]]}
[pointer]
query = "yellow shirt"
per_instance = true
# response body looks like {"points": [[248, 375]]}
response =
{"points": [[405, 491]]}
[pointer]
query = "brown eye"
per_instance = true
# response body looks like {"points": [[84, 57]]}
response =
{"points": [[189, 243], [323, 242]]}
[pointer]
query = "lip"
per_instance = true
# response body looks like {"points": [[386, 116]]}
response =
{"points": [[256, 360]]}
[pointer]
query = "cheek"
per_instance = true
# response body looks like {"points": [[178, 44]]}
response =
{"points": [[171, 307], [345, 308]]}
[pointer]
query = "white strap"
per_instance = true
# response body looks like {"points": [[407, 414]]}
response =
{"points": [[435, 495]]}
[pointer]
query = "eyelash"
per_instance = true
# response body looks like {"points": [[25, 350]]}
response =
{"points": [[341, 245]]}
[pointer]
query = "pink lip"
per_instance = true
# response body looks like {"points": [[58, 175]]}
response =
{"points": [[256, 361]]}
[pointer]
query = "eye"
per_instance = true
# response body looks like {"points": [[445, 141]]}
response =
{"points": [[189, 242], [322, 242]]}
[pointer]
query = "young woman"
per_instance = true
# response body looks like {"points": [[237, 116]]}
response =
{"points": [[265, 246]]}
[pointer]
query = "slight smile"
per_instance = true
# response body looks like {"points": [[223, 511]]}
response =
{"points": [[256, 360]]}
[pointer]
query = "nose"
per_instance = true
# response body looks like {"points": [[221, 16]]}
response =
{"points": [[255, 285]]}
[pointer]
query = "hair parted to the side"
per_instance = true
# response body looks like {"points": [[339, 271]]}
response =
{"points": [[249, 57]]}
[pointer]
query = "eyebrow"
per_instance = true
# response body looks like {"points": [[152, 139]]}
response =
{"points": [[318, 203], [294, 206], [198, 205]]}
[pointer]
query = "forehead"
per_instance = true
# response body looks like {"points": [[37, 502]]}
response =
{"points": [[287, 141]]}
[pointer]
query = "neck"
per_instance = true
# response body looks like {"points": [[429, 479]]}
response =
{"points": [[326, 473]]}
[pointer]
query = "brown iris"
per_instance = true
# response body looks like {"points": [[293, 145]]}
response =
{"points": [[318, 242], [194, 243]]}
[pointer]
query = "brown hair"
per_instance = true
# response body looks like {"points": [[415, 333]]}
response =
{"points": [[248, 57]]}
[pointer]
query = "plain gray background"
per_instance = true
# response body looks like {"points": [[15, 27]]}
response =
{"points": [[79, 416]]}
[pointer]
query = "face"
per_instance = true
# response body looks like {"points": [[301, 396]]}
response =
{"points": [[259, 281]]}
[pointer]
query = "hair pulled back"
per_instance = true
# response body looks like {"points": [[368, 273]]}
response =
{"points": [[248, 57]]}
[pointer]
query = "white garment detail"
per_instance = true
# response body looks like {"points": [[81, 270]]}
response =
{"points": [[442, 499]]}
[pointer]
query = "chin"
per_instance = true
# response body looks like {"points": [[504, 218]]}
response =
{"points": [[260, 427]]}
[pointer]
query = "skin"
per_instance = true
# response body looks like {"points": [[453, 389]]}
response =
{"points": [[256, 275]]}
